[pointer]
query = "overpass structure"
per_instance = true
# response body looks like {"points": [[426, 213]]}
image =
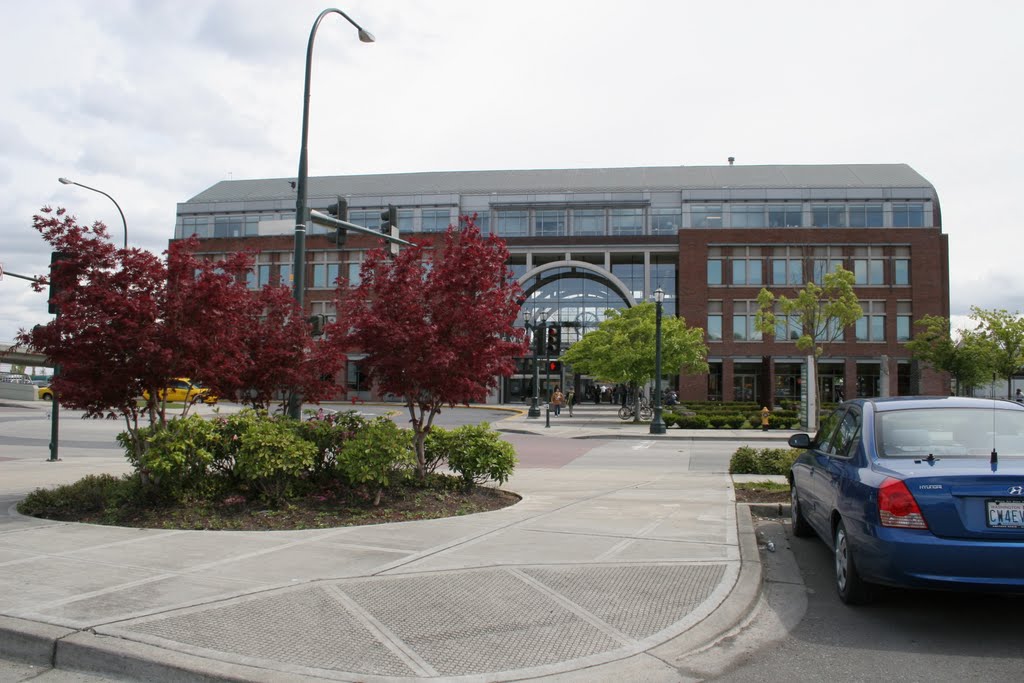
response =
{"points": [[22, 356]]}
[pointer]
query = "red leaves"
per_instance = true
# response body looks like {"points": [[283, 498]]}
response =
{"points": [[436, 332]]}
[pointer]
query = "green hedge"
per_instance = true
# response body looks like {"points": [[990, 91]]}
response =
{"points": [[747, 460]]}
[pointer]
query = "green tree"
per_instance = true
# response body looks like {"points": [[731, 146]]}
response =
{"points": [[621, 349], [1005, 332], [966, 355], [820, 313]]}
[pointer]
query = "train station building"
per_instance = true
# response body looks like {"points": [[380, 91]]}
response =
{"points": [[583, 241]]}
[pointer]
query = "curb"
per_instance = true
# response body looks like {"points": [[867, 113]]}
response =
{"points": [[768, 509], [741, 601], [30, 642]]}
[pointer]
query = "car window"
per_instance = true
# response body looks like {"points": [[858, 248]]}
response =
{"points": [[178, 384], [823, 439], [953, 431], [846, 433]]}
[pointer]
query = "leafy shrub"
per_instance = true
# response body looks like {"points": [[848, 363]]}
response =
{"points": [[747, 460], [376, 454], [693, 422], [438, 446], [272, 456], [177, 456], [92, 493], [670, 418], [718, 421], [329, 433], [481, 455], [735, 421]]}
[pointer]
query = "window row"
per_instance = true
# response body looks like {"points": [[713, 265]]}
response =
{"points": [[817, 215], [322, 273], [795, 266], [869, 328]]}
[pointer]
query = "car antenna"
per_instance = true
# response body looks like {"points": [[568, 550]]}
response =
{"points": [[994, 460]]}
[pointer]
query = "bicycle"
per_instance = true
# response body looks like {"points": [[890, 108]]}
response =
{"points": [[627, 411]]}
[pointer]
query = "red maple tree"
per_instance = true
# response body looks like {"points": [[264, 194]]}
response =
{"points": [[436, 331], [130, 322]]}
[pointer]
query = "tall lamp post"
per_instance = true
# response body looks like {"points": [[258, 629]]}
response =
{"points": [[657, 424], [68, 181], [537, 341], [301, 212]]}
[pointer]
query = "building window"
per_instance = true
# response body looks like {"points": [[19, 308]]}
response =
{"points": [[325, 275], [826, 260], [354, 269], [869, 377], [907, 215], [787, 327], [785, 215], [865, 215], [483, 221], [903, 320], [588, 221], [901, 266], [715, 381], [627, 222], [513, 223], [715, 266], [664, 269], [355, 380], [744, 314], [549, 223], [787, 266], [259, 276], [706, 215], [714, 330], [630, 269], [871, 326], [746, 215], [434, 220], [666, 221], [746, 266], [868, 266], [828, 215], [235, 226], [326, 309]]}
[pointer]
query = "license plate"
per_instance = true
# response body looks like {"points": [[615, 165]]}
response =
{"points": [[1006, 514]]}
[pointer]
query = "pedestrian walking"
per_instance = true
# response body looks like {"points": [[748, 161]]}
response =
{"points": [[557, 398], [570, 398], [1019, 398]]}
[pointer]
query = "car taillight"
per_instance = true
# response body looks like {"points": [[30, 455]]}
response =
{"points": [[897, 507]]}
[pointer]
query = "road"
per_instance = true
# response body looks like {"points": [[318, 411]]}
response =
{"points": [[907, 635]]}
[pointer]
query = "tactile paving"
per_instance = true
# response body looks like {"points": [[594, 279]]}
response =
{"points": [[638, 600], [307, 628]]}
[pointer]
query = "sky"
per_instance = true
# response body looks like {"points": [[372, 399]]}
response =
{"points": [[153, 101]]}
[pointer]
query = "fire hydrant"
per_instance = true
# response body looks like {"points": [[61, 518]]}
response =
{"points": [[764, 418]]}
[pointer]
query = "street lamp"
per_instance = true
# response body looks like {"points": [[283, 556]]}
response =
{"points": [[301, 212], [537, 341], [67, 181], [657, 424]]}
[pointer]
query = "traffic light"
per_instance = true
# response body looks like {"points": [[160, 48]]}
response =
{"points": [[554, 341], [339, 210], [388, 219], [389, 226], [54, 286], [555, 366], [317, 323]]}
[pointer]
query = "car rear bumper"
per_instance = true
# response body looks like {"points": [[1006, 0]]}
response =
{"points": [[919, 559]]}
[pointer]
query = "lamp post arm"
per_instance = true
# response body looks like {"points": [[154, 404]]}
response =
{"points": [[123, 221]]}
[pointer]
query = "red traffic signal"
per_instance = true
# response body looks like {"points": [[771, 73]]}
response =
{"points": [[554, 366]]}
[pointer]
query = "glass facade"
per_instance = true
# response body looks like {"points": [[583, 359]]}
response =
{"points": [[588, 222]]}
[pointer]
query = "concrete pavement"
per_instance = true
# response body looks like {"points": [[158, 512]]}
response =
{"points": [[612, 567]]}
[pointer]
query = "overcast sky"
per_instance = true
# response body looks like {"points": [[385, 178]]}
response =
{"points": [[154, 101]]}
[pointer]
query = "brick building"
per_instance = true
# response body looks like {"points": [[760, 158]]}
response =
{"points": [[586, 240]]}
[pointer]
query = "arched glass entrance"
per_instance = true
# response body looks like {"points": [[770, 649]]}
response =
{"points": [[571, 297]]}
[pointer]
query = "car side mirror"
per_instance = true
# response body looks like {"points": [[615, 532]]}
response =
{"points": [[800, 441]]}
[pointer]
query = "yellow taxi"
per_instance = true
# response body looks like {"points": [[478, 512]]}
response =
{"points": [[45, 393], [184, 390]]}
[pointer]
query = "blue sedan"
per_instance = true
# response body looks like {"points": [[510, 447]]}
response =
{"points": [[916, 492]]}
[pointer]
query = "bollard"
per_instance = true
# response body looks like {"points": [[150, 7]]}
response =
{"points": [[547, 416]]}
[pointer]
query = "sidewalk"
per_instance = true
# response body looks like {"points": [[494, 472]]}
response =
{"points": [[609, 569]]}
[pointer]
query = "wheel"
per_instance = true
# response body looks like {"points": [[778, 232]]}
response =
{"points": [[801, 528], [646, 413], [852, 589], [625, 412]]}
